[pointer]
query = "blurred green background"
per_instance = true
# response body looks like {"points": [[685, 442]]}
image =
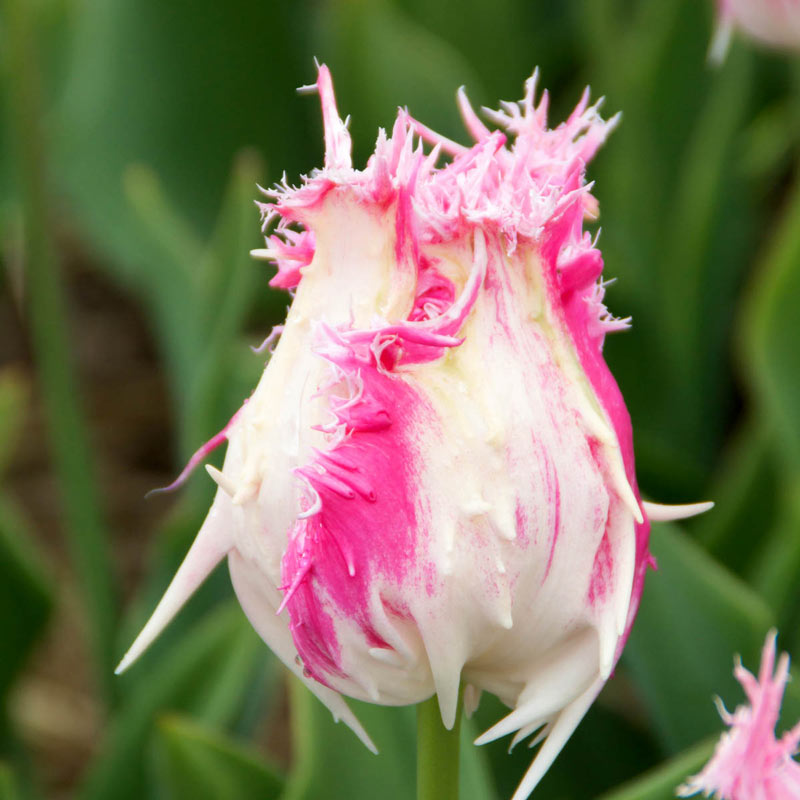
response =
{"points": [[132, 136]]}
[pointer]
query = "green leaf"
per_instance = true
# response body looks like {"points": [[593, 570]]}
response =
{"points": [[26, 598], [744, 490], [228, 280], [209, 674], [14, 399], [690, 308], [770, 328], [770, 138], [660, 783], [767, 345], [46, 322], [168, 258], [173, 237], [181, 87], [8, 785], [201, 294], [775, 573], [225, 274], [694, 617], [330, 762], [194, 761]]}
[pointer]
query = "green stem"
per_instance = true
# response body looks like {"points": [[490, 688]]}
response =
{"points": [[437, 753], [84, 526]]}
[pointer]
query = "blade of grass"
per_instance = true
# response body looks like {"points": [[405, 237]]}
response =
{"points": [[228, 278], [744, 490], [169, 259], [775, 573], [767, 343], [207, 676], [8, 787], [772, 365], [197, 761], [84, 525], [25, 595], [685, 264]]}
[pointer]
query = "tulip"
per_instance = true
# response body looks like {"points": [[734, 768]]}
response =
{"points": [[750, 763], [772, 22], [433, 483]]}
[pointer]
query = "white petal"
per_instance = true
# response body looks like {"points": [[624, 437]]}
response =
{"points": [[446, 661], [557, 683], [561, 731], [663, 513], [260, 600]]}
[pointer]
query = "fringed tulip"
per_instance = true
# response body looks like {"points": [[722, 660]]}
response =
{"points": [[433, 483], [750, 763], [772, 22]]}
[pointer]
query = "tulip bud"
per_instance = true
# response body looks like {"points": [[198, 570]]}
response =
{"points": [[750, 763], [433, 482], [772, 22]]}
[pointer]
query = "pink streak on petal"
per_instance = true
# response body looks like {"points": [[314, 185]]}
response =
{"points": [[434, 294], [366, 527], [554, 503], [198, 457], [603, 571], [422, 340], [292, 252], [406, 240], [571, 261]]}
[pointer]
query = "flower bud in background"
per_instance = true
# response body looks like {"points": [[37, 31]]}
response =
{"points": [[772, 22], [749, 762], [433, 482]]}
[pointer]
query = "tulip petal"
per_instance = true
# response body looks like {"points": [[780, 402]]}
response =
{"points": [[259, 602], [669, 513], [556, 683], [562, 729]]}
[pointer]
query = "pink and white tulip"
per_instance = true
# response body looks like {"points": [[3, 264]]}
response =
{"points": [[433, 482], [772, 22], [750, 763]]}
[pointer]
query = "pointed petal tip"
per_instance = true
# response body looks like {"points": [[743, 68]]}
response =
{"points": [[140, 644], [448, 715], [208, 549], [484, 738], [123, 665], [562, 728], [222, 480], [656, 512], [366, 740]]}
